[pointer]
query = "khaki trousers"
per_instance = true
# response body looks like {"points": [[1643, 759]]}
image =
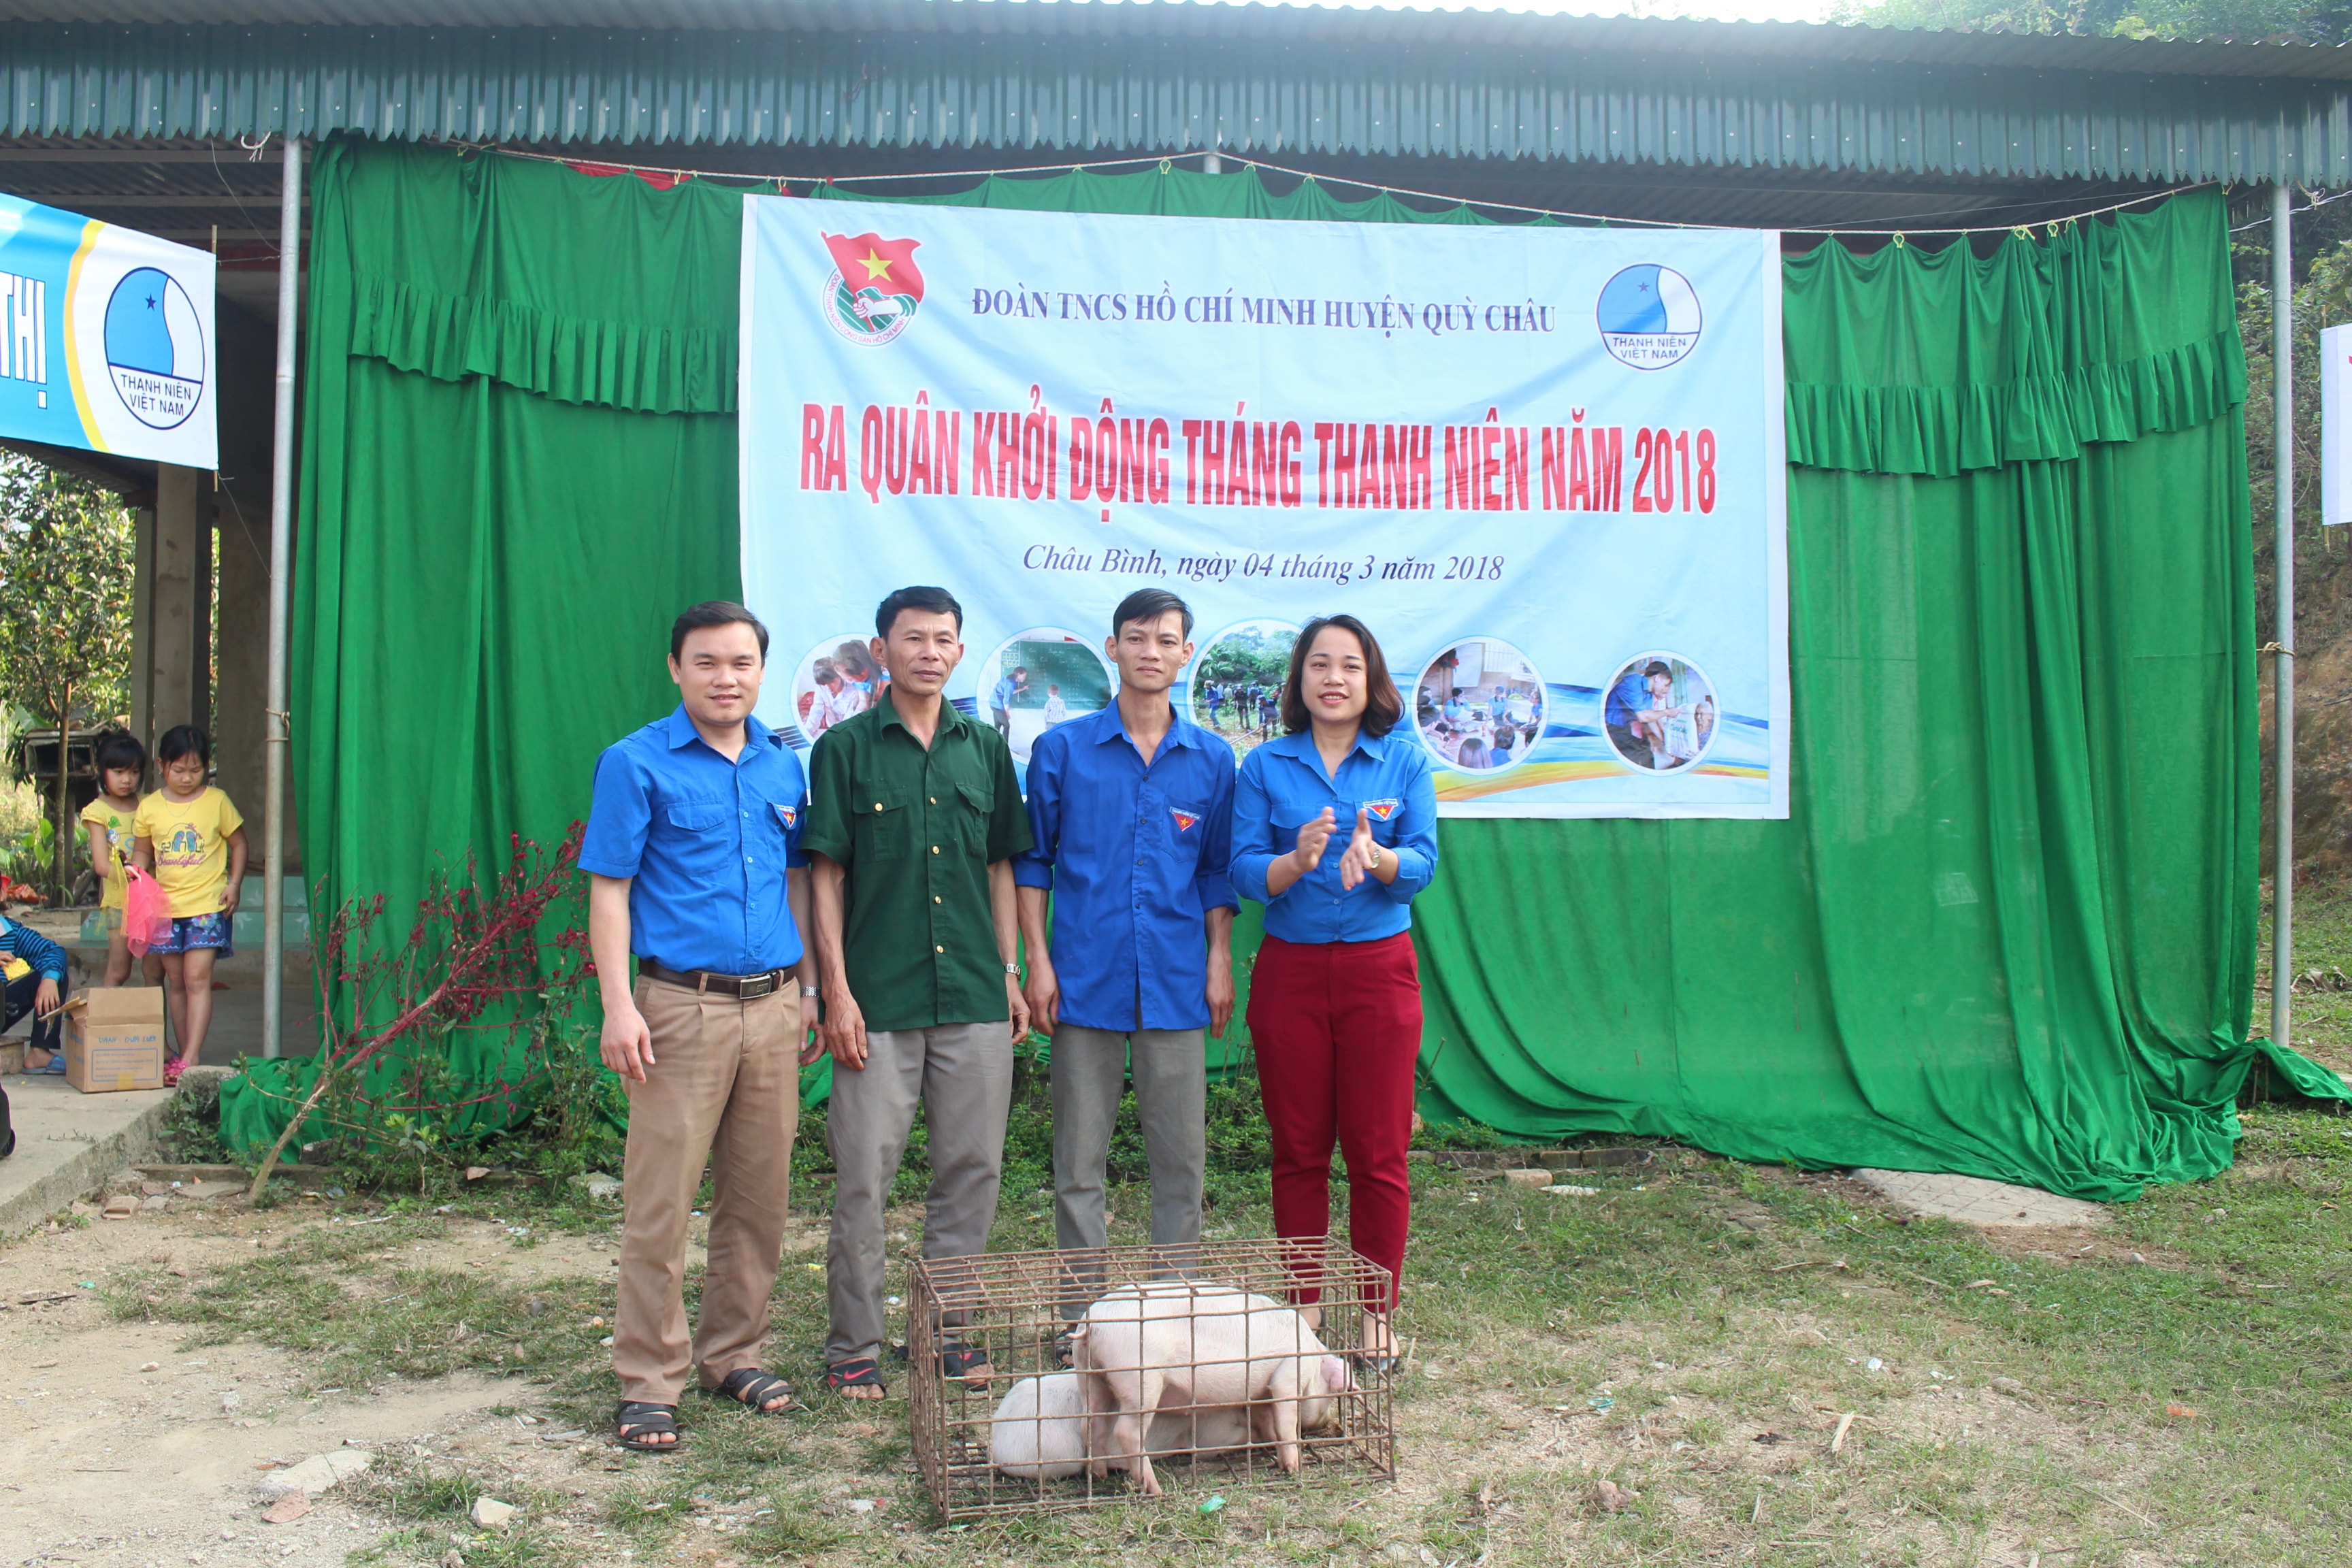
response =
{"points": [[724, 1085]]}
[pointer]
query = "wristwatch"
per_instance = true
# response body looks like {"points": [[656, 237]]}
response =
{"points": [[811, 991], [1012, 969], [1374, 861]]}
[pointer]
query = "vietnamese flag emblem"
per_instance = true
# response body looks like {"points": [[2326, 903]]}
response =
{"points": [[869, 261], [1381, 810], [1184, 819]]}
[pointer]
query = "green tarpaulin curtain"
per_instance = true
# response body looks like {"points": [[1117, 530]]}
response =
{"points": [[2008, 929]]}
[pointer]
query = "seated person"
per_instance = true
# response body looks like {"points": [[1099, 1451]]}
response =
{"points": [[36, 970]]}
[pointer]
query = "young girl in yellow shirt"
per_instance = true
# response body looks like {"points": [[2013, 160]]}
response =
{"points": [[106, 824], [190, 835]]}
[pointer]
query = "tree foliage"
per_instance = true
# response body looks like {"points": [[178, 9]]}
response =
{"points": [[66, 566], [2311, 21]]}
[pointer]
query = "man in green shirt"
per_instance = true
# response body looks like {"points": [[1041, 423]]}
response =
{"points": [[914, 818]]}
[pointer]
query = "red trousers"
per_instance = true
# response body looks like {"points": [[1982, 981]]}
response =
{"points": [[1337, 1028]]}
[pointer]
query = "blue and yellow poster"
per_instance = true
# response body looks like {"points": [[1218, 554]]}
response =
{"points": [[1544, 464], [106, 338]]}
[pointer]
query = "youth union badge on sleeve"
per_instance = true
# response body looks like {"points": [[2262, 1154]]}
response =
{"points": [[1649, 317]]}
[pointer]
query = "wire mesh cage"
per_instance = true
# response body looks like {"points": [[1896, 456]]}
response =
{"points": [[1047, 1381]]}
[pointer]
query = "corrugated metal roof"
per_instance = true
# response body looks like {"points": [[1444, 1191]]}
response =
{"points": [[1068, 80], [1467, 24]]}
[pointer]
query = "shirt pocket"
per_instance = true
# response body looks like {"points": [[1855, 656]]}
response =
{"points": [[1288, 820], [1385, 829], [882, 825], [970, 806], [1183, 827], [695, 816]]}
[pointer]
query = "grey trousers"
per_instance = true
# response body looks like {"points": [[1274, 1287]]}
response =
{"points": [[1090, 1068], [963, 1075]]}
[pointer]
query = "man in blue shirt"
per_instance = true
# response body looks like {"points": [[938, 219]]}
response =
{"points": [[694, 863], [1132, 810], [1634, 699], [999, 701]]}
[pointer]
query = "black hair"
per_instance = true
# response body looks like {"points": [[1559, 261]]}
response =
{"points": [[184, 741], [1382, 706], [119, 749], [1149, 604], [715, 613], [937, 601], [1656, 667]]}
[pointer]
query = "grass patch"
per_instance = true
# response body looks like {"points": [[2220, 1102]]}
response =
{"points": [[343, 1296], [1689, 1335], [1693, 1336]]}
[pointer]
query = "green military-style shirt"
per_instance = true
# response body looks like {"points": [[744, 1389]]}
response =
{"points": [[916, 830]]}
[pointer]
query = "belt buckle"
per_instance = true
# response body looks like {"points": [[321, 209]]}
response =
{"points": [[756, 985]]}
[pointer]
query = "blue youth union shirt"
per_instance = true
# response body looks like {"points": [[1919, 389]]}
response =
{"points": [[1283, 786], [1627, 698], [1135, 857], [707, 842]]}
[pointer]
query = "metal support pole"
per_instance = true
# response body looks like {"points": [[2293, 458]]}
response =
{"points": [[2282, 440], [281, 532]]}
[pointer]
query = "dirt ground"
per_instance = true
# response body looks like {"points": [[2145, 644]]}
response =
{"points": [[1785, 1423]]}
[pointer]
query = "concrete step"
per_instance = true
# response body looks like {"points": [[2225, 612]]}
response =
{"points": [[69, 1144]]}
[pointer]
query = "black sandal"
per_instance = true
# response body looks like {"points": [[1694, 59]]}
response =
{"points": [[957, 1362], [750, 1386], [637, 1420], [862, 1373]]}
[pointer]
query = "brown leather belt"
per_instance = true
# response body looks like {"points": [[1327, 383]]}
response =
{"points": [[743, 987]]}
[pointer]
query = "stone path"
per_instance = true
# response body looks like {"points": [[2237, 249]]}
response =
{"points": [[1975, 1201]]}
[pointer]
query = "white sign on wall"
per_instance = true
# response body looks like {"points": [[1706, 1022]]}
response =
{"points": [[2335, 425], [107, 339]]}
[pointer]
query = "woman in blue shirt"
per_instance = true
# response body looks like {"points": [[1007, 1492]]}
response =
{"points": [[1335, 999]]}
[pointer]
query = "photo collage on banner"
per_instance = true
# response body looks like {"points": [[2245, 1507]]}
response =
{"points": [[1544, 466]]}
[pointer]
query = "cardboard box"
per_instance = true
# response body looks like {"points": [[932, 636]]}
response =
{"points": [[114, 1038]]}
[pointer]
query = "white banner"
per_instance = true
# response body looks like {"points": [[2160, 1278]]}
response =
{"points": [[2335, 425], [1545, 465]]}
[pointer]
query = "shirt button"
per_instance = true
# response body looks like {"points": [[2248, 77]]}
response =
{"points": [[938, 950], [935, 800], [935, 848], [935, 897], [878, 805]]}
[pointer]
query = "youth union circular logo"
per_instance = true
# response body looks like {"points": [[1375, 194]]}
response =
{"points": [[875, 288], [155, 348], [1649, 317]]}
